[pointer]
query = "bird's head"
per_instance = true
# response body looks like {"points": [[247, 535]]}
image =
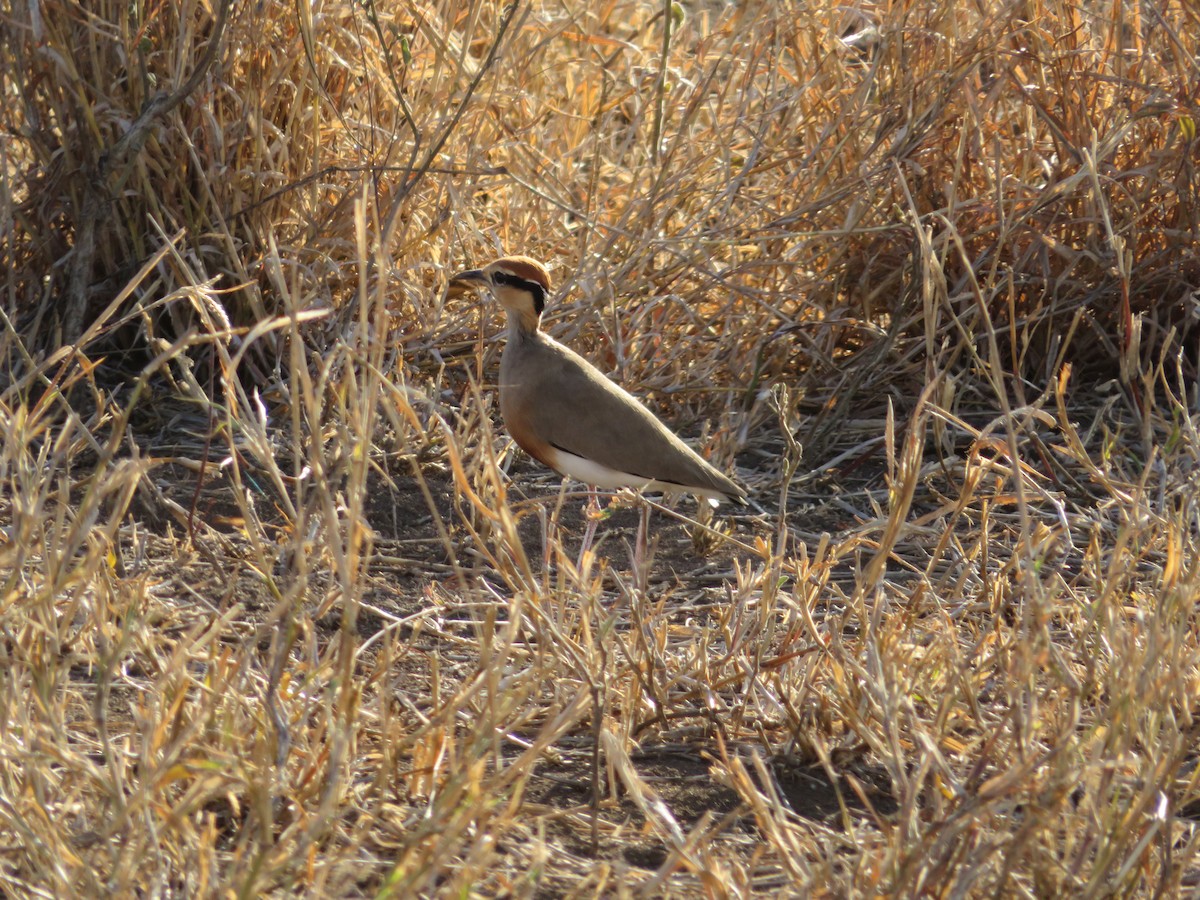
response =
{"points": [[520, 284]]}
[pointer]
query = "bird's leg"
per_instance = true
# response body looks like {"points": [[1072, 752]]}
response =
{"points": [[641, 567], [591, 513], [700, 530]]}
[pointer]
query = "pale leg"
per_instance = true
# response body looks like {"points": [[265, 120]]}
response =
{"points": [[591, 513]]}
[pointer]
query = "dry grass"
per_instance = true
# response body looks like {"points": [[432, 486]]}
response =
{"points": [[284, 614]]}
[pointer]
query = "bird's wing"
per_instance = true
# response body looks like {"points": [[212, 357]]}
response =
{"points": [[573, 406]]}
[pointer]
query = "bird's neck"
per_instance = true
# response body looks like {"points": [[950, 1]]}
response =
{"points": [[522, 326]]}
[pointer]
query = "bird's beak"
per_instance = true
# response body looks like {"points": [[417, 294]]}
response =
{"points": [[464, 281]]}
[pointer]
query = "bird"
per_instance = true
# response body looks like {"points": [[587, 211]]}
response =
{"points": [[566, 414]]}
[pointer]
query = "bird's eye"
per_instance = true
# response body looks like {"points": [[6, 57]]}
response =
{"points": [[532, 287]]}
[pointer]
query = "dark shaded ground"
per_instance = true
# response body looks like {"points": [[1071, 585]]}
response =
{"points": [[682, 778], [422, 539]]}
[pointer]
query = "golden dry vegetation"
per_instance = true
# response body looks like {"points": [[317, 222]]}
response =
{"points": [[285, 614]]}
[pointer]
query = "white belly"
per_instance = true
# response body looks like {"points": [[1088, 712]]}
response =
{"points": [[601, 476]]}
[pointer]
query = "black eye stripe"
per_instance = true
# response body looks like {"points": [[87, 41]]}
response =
{"points": [[524, 284], [516, 281]]}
